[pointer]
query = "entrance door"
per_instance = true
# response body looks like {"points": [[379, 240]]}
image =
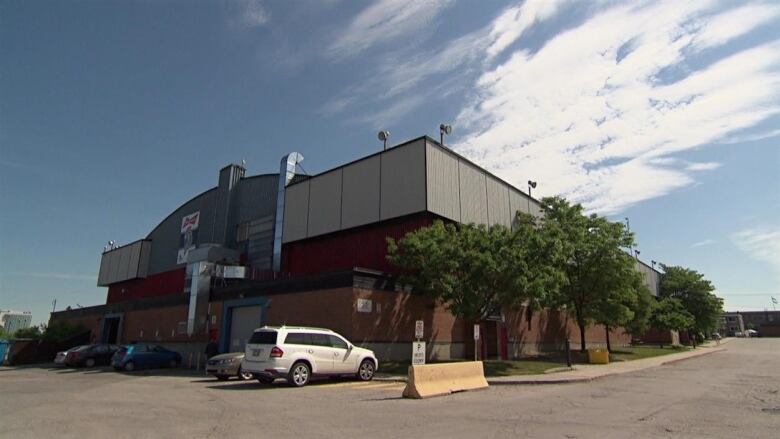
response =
{"points": [[491, 340], [244, 320], [110, 333]]}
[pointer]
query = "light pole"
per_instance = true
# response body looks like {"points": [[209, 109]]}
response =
{"points": [[382, 136], [531, 184], [636, 254], [444, 129]]}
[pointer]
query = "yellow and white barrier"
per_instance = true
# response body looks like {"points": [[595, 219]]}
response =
{"points": [[429, 380]]}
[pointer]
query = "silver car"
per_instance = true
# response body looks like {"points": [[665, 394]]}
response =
{"points": [[225, 366]]}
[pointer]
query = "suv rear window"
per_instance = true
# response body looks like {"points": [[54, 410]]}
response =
{"points": [[263, 337]]}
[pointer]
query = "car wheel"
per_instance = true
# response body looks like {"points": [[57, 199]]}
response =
{"points": [[129, 366], [299, 374], [222, 377], [243, 376], [90, 362], [173, 364], [366, 370]]}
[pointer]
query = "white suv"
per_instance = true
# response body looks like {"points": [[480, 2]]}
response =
{"points": [[298, 353]]}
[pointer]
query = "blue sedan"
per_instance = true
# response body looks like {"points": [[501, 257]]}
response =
{"points": [[139, 356]]}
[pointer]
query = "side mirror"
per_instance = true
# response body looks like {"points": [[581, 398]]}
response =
{"points": [[349, 346]]}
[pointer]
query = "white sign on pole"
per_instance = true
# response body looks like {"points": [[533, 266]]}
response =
{"points": [[419, 327], [418, 352], [476, 332]]}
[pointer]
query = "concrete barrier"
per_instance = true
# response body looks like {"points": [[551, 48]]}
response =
{"points": [[429, 380]]}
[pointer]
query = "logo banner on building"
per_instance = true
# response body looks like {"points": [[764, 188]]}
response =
{"points": [[189, 236]]}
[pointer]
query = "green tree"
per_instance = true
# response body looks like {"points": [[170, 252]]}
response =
{"points": [[619, 304], [475, 270], [599, 275], [3, 335], [696, 295], [33, 332], [61, 331], [643, 309], [670, 314]]}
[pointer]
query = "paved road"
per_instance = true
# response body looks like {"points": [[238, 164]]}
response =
{"points": [[733, 393]]}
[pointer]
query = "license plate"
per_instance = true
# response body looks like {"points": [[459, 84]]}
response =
{"points": [[257, 352]]}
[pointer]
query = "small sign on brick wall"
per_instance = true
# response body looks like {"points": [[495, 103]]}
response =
{"points": [[364, 305]]}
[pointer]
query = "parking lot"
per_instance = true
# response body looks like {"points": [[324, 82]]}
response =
{"points": [[730, 393]]}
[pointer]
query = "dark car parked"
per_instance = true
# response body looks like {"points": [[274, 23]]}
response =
{"points": [[90, 355], [142, 356]]}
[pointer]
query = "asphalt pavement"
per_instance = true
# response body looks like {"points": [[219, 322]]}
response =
{"points": [[730, 393]]}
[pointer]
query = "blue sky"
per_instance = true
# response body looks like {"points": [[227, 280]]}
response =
{"points": [[112, 113]]}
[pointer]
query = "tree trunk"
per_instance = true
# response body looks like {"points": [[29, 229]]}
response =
{"points": [[582, 336], [609, 346]]}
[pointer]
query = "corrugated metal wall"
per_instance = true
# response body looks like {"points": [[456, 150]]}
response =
{"points": [[380, 187], [360, 201], [359, 247], [160, 284], [126, 262], [463, 192]]}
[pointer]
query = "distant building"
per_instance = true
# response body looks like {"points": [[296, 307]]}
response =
{"points": [[732, 324], [13, 321], [760, 320]]}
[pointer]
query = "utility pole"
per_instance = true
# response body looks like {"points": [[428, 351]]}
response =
{"points": [[54, 305]]}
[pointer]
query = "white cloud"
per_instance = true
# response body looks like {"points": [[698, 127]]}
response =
{"points": [[703, 243], [709, 166], [252, 13], [597, 112], [455, 59], [761, 243], [752, 137], [383, 21]]}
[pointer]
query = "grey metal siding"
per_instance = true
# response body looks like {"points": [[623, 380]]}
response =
{"points": [[498, 202], [123, 263], [256, 198], [325, 203], [143, 262], [443, 186], [651, 278], [360, 193], [166, 236], [296, 211], [403, 180], [518, 202], [473, 194]]}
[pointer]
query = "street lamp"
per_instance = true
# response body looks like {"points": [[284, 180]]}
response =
{"points": [[636, 254]]}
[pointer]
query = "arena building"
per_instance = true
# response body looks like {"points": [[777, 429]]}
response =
{"points": [[295, 249]]}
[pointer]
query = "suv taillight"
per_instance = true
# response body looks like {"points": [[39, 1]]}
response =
{"points": [[276, 352]]}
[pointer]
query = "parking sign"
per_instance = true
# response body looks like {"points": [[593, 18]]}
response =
{"points": [[418, 352], [418, 329]]}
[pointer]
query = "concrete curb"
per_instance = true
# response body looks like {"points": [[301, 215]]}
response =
{"points": [[520, 380], [583, 379]]}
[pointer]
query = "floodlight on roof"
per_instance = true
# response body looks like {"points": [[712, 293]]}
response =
{"points": [[444, 128], [383, 136]]}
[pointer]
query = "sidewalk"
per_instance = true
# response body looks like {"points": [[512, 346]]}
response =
{"points": [[586, 372]]}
